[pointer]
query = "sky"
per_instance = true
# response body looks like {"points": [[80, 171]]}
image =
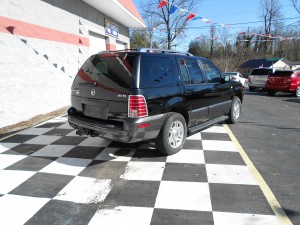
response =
{"points": [[243, 13]]}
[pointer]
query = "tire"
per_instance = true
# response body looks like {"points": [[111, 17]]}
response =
{"points": [[235, 111], [172, 135], [251, 89], [271, 92], [297, 92]]}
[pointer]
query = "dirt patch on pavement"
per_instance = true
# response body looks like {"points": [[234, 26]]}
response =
{"points": [[5, 131]]}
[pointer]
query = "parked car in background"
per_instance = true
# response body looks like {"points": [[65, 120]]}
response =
{"points": [[236, 76], [258, 78], [284, 81], [131, 96]]}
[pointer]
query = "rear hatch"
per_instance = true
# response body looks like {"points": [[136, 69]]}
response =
{"points": [[259, 76], [102, 86], [280, 78]]}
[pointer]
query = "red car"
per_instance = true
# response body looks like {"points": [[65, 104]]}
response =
{"points": [[284, 81]]}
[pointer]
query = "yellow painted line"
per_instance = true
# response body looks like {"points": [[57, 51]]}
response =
{"points": [[276, 207]]}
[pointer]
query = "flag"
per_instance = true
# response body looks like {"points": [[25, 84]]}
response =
{"points": [[173, 9], [191, 16], [225, 25], [197, 18], [243, 32], [182, 11], [162, 3], [207, 20]]}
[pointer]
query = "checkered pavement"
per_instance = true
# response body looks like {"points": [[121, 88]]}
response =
{"points": [[49, 175]]}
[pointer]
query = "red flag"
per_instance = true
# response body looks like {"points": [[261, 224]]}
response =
{"points": [[243, 32], [162, 3], [191, 16]]}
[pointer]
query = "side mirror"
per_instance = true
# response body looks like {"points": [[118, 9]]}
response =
{"points": [[227, 78]]}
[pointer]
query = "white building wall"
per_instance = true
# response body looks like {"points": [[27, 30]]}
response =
{"points": [[36, 74], [280, 65]]}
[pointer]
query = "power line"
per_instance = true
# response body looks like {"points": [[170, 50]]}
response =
{"points": [[233, 24]]}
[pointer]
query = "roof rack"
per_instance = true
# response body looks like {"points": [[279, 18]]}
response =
{"points": [[151, 50], [156, 50]]}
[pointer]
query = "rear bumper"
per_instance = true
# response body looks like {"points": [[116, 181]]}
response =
{"points": [[283, 88], [256, 85], [133, 130]]}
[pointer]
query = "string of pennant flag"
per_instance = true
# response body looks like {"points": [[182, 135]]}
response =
{"points": [[192, 16]]}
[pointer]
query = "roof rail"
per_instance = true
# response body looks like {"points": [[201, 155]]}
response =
{"points": [[156, 50], [152, 50], [122, 50]]}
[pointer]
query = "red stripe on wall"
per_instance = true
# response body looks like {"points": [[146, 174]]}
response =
{"points": [[22, 28], [129, 5], [111, 47]]}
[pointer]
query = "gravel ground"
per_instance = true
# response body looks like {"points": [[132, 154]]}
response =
{"points": [[6, 131]]}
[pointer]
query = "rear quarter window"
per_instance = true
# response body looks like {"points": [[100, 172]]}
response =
{"points": [[155, 71]]}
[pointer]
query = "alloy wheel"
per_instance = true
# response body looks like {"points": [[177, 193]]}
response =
{"points": [[176, 134]]}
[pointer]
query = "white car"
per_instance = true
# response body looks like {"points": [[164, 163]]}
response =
{"points": [[236, 76]]}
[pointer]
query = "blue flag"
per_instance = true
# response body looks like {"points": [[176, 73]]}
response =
{"points": [[197, 18], [173, 9]]}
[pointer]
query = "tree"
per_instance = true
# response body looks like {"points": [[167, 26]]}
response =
{"points": [[171, 24], [139, 39], [199, 48], [270, 12], [296, 5]]}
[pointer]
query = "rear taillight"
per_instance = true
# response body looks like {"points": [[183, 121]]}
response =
{"points": [[249, 79], [137, 106]]}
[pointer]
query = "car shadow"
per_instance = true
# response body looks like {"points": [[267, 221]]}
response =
{"points": [[296, 100], [273, 126]]}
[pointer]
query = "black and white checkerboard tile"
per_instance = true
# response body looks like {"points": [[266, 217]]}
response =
{"points": [[49, 175]]}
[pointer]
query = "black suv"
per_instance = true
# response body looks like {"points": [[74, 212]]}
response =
{"points": [[131, 96]]}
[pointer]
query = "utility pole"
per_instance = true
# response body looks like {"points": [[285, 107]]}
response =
{"points": [[241, 55]]}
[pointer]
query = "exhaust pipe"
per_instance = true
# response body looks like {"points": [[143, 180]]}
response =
{"points": [[79, 133]]}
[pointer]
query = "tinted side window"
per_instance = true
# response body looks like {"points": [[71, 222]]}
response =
{"points": [[195, 72], [155, 72], [212, 73], [190, 71]]}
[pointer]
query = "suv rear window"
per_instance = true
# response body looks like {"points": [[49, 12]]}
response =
{"points": [[110, 69], [155, 72], [261, 72], [282, 73]]}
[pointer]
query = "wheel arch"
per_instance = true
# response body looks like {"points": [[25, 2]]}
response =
{"points": [[177, 105], [240, 95]]}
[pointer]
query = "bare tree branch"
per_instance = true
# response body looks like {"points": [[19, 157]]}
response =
{"points": [[174, 23], [296, 5]]}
